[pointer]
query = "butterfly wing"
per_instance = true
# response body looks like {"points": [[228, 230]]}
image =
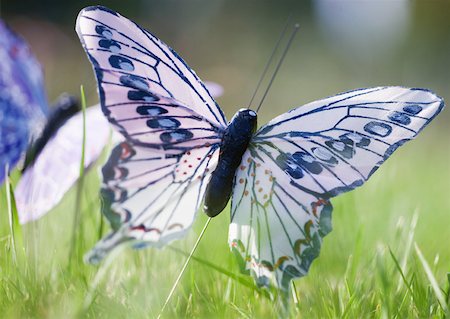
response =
{"points": [[57, 168], [150, 196], [146, 90], [299, 160], [153, 182], [22, 97]]}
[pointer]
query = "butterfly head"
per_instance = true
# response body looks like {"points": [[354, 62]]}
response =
{"points": [[247, 113], [245, 120], [65, 107]]}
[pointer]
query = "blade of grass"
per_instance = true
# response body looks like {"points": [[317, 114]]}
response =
{"points": [[17, 227], [448, 288], [434, 285], [10, 214], [243, 280], [407, 250], [105, 153], [76, 221], [400, 270], [294, 294]]}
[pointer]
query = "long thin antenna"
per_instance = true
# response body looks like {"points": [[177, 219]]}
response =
{"points": [[296, 27], [175, 284], [269, 62]]}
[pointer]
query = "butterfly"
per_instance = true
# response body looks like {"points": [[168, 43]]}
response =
{"points": [[179, 152], [51, 137], [23, 105], [57, 167]]}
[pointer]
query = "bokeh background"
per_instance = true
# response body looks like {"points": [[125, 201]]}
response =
{"points": [[341, 45]]}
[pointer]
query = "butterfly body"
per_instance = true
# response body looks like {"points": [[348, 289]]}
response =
{"points": [[66, 107], [235, 142]]}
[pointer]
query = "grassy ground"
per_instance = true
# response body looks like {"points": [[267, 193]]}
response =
{"points": [[369, 265]]}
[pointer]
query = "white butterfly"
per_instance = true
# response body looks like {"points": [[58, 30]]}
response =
{"points": [[57, 168], [178, 142]]}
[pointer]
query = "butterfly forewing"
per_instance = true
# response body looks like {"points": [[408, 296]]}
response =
{"points": [[334, 145], [144, 83], [298, 161]]}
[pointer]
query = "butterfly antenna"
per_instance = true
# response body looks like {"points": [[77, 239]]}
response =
{"points": [[296, 27], [183, 269], [269, 62]]}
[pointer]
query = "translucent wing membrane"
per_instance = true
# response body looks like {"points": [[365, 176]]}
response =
{"points": [[22, 98], [151, 197], [295, 163], [333, 145], [57, 167], [145, 84], [276, 228]]}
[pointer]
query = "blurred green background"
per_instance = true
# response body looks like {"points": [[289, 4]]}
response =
{"points": [[341, 45]]}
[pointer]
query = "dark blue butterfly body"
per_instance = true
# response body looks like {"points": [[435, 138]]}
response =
{"points": [[234, 144], [65, 107]]}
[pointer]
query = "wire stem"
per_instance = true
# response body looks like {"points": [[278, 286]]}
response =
{"points": [[183, 269]]}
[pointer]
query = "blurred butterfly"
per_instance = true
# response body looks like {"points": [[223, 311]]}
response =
{"points": [[180, 151], [23, 105], [53, 137], [56, 167]]}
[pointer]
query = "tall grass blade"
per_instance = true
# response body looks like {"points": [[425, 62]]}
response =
{"points": [[434, 285], [407, 250], [76, 229], [243, 280], [294, 294], [11, 217], [402, 275]]}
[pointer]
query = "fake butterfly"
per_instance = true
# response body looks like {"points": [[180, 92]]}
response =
{"points": [[23, 105], [53, 137], [57, 167], [180, 151]]}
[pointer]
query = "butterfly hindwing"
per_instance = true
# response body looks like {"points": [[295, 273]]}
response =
{"points": [[299, 160], [151, 197], [146, 90], [276, 229], [57, 167]]}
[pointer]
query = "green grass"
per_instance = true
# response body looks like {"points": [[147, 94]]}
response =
{"points": [[368, 267]]}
